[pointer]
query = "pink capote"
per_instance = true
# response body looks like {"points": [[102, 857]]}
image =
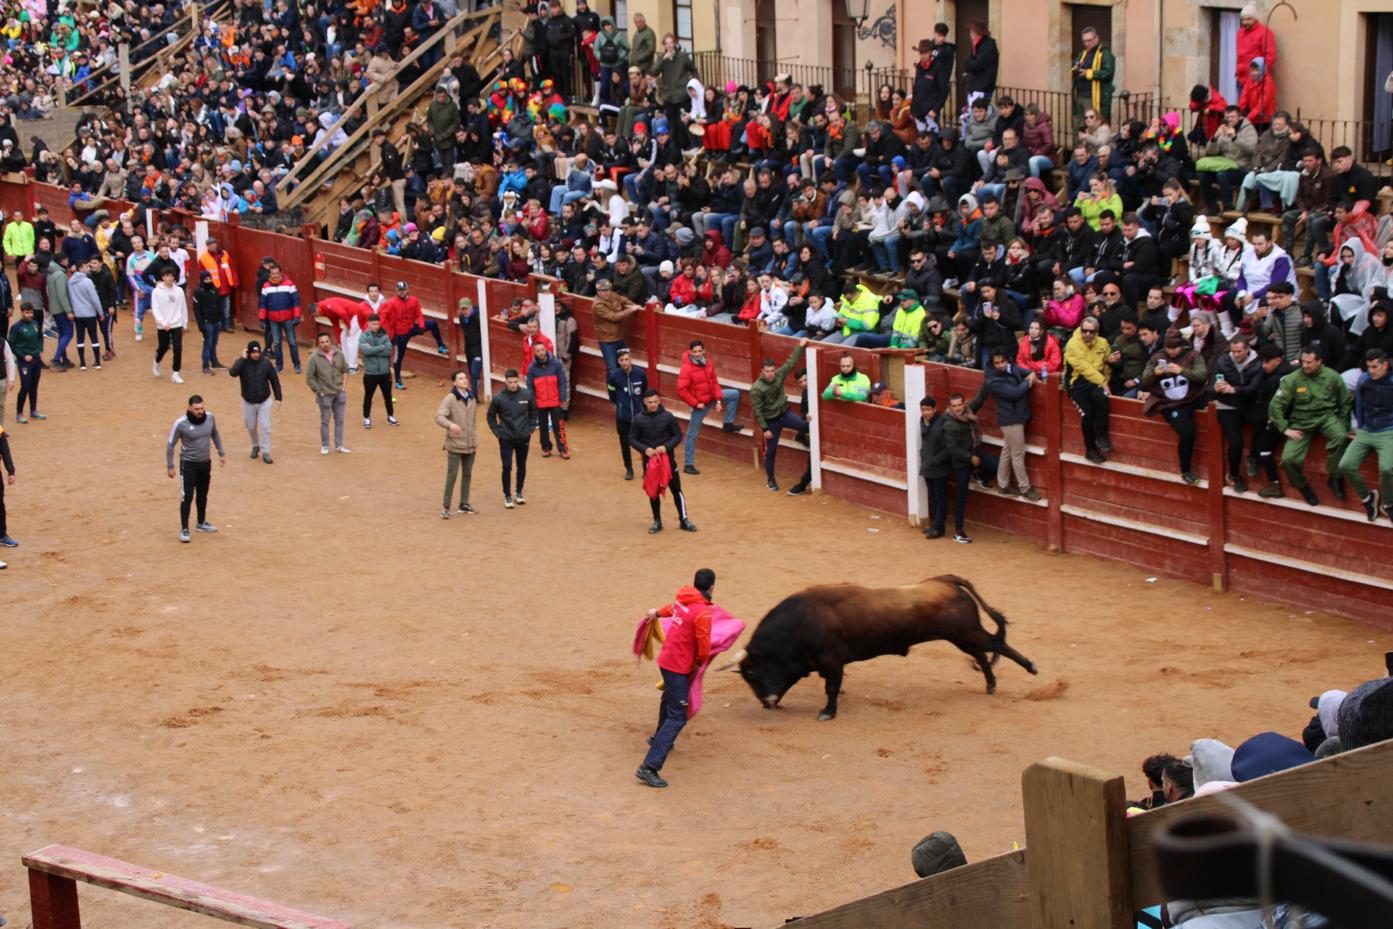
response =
{"points": [[725, 630]]}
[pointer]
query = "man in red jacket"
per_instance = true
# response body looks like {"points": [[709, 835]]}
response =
{"points": [[685, 649], [699, 389], [349, 318], [404, 319]]}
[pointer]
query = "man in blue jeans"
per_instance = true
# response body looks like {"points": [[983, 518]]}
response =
{"points": [[699, 389], [686, 647], [769, 400]]}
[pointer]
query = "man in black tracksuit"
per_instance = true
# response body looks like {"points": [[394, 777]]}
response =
{"points": [[626, 386], [655, 432], [512, 415], [9, 463], [196, 433]]}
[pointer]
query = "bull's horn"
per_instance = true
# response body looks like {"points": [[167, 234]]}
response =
{"points": [[734, 661]]}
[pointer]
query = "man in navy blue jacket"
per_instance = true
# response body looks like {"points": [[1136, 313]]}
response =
{"points": [[627, 384]]}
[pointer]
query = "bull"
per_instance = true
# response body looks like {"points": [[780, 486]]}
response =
{"points": [[824, 628]]}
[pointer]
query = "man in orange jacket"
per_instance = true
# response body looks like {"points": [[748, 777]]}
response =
{"points": [[685, 649], [219, 262]]}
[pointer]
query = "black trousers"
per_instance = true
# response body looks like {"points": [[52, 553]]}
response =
{"points": [[194, 479], [4, 526], [509, 451], [1265, 443], [373, 383], [674, 488], [1182, 420], [87, 335], [1231, 423], [29, 372], [1092, 405], [550, 421], [938, 499], [621, 426], [168, 338]]}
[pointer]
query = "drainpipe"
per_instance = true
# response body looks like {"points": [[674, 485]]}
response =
{"points": [[1160, 49]]}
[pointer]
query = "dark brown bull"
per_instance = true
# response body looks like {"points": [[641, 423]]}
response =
{"points": [[822, 629]]}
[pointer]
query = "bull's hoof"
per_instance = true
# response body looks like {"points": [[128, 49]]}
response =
{"points": [[823, 717]]}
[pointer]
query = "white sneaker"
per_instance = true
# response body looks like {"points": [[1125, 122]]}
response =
{"points": [[367, 422], [324, 450], [155, 368], [139, 336], [342, 450], [3, 565], [393, 421], [176, 378]]}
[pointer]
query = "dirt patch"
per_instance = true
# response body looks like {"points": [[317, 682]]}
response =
{"points": [[424, 723]]}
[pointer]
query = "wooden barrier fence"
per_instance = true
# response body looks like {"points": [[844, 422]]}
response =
{"points": [[1134, 509]]}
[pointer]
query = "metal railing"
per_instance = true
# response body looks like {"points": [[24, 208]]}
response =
{"points": [[717, 69], [1370, 140]]}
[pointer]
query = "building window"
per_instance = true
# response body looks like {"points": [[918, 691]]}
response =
{"points": [[621, 15], [682, 23]]}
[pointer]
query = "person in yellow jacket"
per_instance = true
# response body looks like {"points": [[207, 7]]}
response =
{"points": [[848, 384], [19, 238], [1087, 372], [858, 312], [907, 331]]}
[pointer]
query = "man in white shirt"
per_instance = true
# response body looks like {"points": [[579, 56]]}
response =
{"points": [[171, 312]]}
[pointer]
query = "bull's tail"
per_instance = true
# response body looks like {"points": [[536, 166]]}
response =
{"points": [[963, 584]]}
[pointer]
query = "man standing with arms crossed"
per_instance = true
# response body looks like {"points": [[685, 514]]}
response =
{"points": [[511, 417], [259, 381], [196, 432], [324, 374], [458, 416], [770, 403], [375, 347], [686, 647]]}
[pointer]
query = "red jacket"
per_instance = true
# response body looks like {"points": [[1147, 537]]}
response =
{"points": [[400, 316], [1254, 43], [1258, 101], [527, 343], [697, 384], [682, 291], [1053, 360], [688, 642], [343, 310]]}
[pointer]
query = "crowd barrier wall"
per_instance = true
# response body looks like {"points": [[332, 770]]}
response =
{"points": [[1134, 509]]}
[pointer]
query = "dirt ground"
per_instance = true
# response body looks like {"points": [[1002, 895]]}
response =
{"points": [[343, 703]]}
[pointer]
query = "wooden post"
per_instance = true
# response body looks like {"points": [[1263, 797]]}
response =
{"points": [[53, 901], [913, 391], [123, 56], [814, 426], [1054, 468], [481, 309], [650, 332], [1075, 818], [1212, 444]]}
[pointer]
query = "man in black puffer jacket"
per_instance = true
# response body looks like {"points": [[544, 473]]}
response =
{"points": [[655, 433], [259, 383]]}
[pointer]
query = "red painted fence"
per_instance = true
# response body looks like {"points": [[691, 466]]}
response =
{"points": [[1134, 509]]}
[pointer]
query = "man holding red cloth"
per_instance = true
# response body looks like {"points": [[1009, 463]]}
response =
{"points": [[655, 433], [685, 649]]}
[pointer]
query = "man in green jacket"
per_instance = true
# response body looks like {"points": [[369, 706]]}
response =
{"points": [[643, 47], [960, 439], [769, 400], [674, 69], [324, 376], [19, 238], [612, 52], [375, 350], [848, 384], [443, 118], [27, 344], [1311, 401]]}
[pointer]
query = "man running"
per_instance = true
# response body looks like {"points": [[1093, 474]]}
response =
{"points": [[195, 431], [655, 434], [259, 381], [686, 647], [511, 418]]}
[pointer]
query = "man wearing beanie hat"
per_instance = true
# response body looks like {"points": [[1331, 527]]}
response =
{"points": [[1254, 40], [259, 383], [1175, 382], [1366, 714]]}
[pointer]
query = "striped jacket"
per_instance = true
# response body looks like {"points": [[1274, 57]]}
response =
{"points": [[279, 303]]}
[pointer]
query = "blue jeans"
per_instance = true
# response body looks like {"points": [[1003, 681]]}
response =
{"points": [[142, 306], [868, 340], [282, 333], [819, 237], [996, 190], [1039, 165], [672, 716], [788, 420], [610, 351], [64, 324], [731, 398], [210, 344], [561, 196], [728, 222], [886, 252]]}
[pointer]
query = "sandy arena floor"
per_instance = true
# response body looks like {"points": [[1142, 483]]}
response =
{"points": [[343, 703]]}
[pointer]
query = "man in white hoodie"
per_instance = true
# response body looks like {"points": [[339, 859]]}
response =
{"points": [[171, 312]]}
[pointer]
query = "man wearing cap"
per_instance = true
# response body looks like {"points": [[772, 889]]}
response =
{"points": [[933, 75], [610, 312], [258, 382], [404, 319], [469, 324]]}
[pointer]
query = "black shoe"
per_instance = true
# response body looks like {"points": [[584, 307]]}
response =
{"points": [[1272, 491], [466, 508], [1239, 485], [690, 469], [266, 457], [650, 740], [933, 533], [687, 525], [1104, 445], [729, 427], [628, 474], [1095, 456], [774, 486], [962, 537], [797, 490], [1252, 467], [1337, 487], [1388, 511], [656, 528], [1190, 478], [1370, 501], [649, 777], [1309, 495], [256, 452]]}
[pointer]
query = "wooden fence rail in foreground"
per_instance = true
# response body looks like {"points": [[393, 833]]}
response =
{"points": [[1087, 866], [55, 870]]}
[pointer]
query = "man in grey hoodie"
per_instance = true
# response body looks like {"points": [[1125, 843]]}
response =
{"points": [[87, 308], [195, 432], [60, 308]]}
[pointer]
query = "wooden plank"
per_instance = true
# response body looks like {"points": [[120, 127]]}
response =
{"points": [[53, 901], [957, 898], [1075, 819], [178, 892], [1346, 796]]}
